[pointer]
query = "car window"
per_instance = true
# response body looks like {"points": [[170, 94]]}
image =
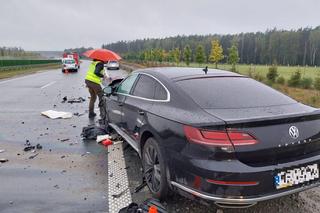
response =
{"points": [[232, 92], [127, 84], [145, 87], [160, 92]]}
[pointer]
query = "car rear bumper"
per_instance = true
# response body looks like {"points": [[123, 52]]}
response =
{"points": [[240, 201], [203, 179]]}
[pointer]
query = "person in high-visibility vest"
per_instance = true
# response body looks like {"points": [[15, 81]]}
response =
{"points": [[93, 80]]}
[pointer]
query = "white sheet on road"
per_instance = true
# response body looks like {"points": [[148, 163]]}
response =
{"points": [[56, 114]]}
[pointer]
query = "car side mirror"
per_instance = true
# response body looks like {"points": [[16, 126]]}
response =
{"points": [[108, 90]]}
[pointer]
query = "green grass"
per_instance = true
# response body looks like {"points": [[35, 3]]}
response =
{"points": [[284, 71], [29, 70]]}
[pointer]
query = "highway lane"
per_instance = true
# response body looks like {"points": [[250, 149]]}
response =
{"points": [[67, 176]]}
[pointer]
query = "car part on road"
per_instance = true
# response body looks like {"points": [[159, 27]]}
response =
{"points": [[56, 114], [76, 100], [3, 160], [92, 131], [33, 156]]}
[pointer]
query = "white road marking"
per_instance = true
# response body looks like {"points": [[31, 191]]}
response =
{"points": [[49, 84], [119, 195]]}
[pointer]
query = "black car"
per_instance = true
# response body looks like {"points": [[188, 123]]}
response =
{"points": [[216, 135]]}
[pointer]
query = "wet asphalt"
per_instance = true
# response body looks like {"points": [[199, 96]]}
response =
{"points": [[67, 175]]}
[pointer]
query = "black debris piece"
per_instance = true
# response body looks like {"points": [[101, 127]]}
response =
{"points": [[28, 148], [33, 156], [64, 99], [63, 156], [76, 100], [78, 114], [140, 187], [63, 140], [91, 132], [120, 194], [38, 146], [3, 160]]}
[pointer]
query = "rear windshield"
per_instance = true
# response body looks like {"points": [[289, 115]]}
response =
{"points": [[232, 92]]}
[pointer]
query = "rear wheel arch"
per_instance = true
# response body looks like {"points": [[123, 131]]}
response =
{"points": [[144, 137]]}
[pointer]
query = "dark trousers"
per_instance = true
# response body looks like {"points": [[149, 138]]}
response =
{"points": [[94, 90]]}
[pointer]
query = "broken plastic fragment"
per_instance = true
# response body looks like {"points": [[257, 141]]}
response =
{"points": [[56, 114]]}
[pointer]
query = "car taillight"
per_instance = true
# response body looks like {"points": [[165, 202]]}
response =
{"points": [[223, 138]]}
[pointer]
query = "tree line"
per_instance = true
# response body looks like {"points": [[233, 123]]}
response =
{"points": [[284, 47], [16, 52]]}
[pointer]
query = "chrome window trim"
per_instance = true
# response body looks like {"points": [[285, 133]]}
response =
{"points": [[147, 99]]}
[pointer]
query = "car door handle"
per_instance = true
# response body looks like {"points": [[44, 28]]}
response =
{"points": [[141, 112]]}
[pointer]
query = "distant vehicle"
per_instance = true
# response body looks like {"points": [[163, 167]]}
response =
{"points": [[113, 65], [215, 135], [69, 64], [74, 56]]}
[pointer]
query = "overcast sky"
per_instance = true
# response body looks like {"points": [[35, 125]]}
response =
{"points": [[60, 24]]}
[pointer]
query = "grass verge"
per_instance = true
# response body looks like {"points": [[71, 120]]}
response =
{"points": [[13, 73]]}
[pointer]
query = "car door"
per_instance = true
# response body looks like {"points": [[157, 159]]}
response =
{"points": [[116, 100], [138, 104]]}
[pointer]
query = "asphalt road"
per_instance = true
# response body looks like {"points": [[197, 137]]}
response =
{"points": [[69, 175]]}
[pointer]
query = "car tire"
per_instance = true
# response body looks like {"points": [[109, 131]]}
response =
{"points": [[154, 169], [63, 71]]}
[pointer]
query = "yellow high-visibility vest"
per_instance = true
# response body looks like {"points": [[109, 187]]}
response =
{"points": [[90, 73]]}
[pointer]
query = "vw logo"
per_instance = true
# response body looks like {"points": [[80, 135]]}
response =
{"points": [[294, 132]]}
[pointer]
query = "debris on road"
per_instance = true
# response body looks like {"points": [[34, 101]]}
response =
{"points": [[78, 114], [101, 138], [72, 100], [3, 160], [76, 100], [140, 187], [63, 140], [106, 142], [91, 132], [56, 114], [33, 156], [64, 99], [120, 194], [29, 147], [38, 146]]}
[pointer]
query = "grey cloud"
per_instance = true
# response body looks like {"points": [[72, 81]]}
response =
{"points": [[59, 24]]}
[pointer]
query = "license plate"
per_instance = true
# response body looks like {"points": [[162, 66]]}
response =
{"points": [[296, 176]]}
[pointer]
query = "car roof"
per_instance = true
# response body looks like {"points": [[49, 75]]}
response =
{"points": [[182, 73]]}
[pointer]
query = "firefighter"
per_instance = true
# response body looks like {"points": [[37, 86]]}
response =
{"points": [[93, 81]]}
